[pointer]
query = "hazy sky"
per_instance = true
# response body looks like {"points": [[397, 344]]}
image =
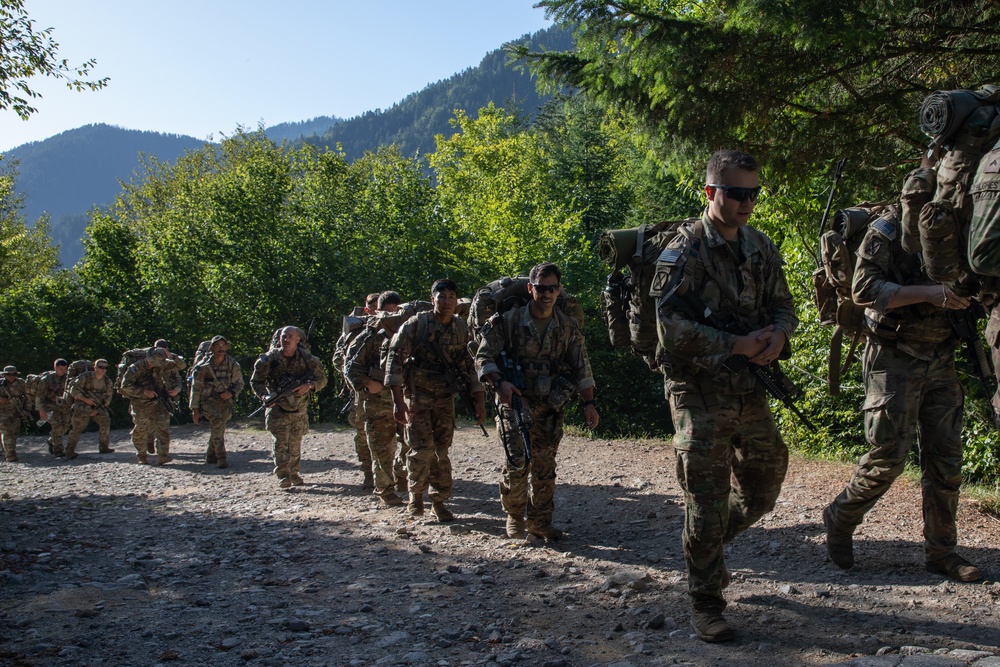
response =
{"points": [[202, 68]]}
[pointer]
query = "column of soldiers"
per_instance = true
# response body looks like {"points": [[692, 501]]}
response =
{"points": [[731, 458]]}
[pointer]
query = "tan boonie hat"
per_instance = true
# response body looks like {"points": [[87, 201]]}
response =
{"points": [[216, 339], [10, 370]]}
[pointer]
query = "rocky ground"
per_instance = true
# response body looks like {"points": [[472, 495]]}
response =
{"points": [[106, 562]]}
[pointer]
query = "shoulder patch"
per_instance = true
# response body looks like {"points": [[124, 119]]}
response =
{"points": [[885, 227], [670, 257]]}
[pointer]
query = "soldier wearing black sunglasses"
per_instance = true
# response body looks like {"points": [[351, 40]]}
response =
{"points": [[723, 422]]}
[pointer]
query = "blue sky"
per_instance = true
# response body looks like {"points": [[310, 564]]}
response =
{"points": [[202, 68]]}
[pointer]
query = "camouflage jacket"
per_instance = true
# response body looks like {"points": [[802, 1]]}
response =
{"points": [[413, 363], [12, 401], [50, 391], [140, 376], [745, 293], [86, 385], [273, 372], [553, 361], [883, 267], [210, 380], [366, 359]]}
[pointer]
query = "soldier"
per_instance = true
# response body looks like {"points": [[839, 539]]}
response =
{"points": [[91, 392], [912, 395], [548, 347], [151, 384], [284, 379], [423, 352], [12, 411], [364, 370], [215, 385], [723, 422], [356, 417], [49, 403], [134, 355]]}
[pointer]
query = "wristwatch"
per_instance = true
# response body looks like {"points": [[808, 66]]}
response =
{"points": [[590, 402]]}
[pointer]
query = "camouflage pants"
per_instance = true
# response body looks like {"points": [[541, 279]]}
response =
{"points": [[59, 421], [905, 396], [357, 420], [429, 433], [731, 462], [399, 463], [10, 426], [287, 430], [80, 416], [151, 420], [218, 413], [380, 431], [993, 339], [530, 490]]}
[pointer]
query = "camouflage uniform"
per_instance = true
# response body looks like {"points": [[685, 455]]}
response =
{"points": [[12, 410], [49, 398], [209, 381], [430, 427], [87, 385], [356, 416], [366, 359], [150, 416], [731, 460], [911, 387], [288, 419], [555, 365]]}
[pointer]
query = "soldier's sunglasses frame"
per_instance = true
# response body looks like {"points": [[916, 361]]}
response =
{"points": [[545, 289], [737, 194]]}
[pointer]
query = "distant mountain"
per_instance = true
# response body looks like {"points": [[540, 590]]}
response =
{"points": [[70, 173], [413, 122]]}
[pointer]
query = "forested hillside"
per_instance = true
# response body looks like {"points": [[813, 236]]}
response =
{"points": [[68, 174], [412, 123]]}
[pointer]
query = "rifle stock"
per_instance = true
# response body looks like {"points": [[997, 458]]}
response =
{"points": [[285, 386]]}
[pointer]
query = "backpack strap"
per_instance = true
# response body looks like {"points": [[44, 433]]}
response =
{"points": [[836, 370]]}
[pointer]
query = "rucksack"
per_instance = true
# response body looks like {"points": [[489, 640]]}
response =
{"points": [[629, 311], [939, 204], [129, 358], [75, 370], [505, 293], [838, 250], [31, 386]]}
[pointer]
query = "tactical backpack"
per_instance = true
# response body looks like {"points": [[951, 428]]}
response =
{"points": [[75, 370], [629, 311], [939, 204], [832, 281], [129, 358], [31, 385], [505, 293]]}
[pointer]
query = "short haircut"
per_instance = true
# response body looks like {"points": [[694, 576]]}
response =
{"points": [[371, 299], [388, 298], [544, 270], [724, 160], [60, 362], [160, 342], [100, 361], [442, 284]]}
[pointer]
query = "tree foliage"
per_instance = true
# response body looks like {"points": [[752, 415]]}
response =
{"points": [[26, 253], [797, 83], [25, 53]]}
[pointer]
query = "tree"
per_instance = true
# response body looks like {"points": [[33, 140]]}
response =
{"points": [[26, 253], [796, 82], [26, 52]]}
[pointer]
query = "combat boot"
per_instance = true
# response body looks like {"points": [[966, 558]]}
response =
{"points": [[284, 483], [163, 459], [389, 499], [296, 479], [222, 463], [516, 527], [955, 567], [58, 451], [839, 540], [210, 457], [141, 458], [709, 624], [10, 456], [70, 453], [441, 511], [416, 506], [369, 483], [544, 529], [105, 449], [150, 448]]}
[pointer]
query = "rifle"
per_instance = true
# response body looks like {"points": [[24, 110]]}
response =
{"points": [[829, 200], [775, 382], [963, 323], [285, 387], [457, 382], [512, 374]]}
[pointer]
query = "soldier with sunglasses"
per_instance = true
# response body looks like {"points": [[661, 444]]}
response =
{"points": [[731, 459], [91, 393], [547, 348]]}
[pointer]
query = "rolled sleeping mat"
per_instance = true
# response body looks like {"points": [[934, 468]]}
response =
{"points": [[944, 112], [616, 246]]}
